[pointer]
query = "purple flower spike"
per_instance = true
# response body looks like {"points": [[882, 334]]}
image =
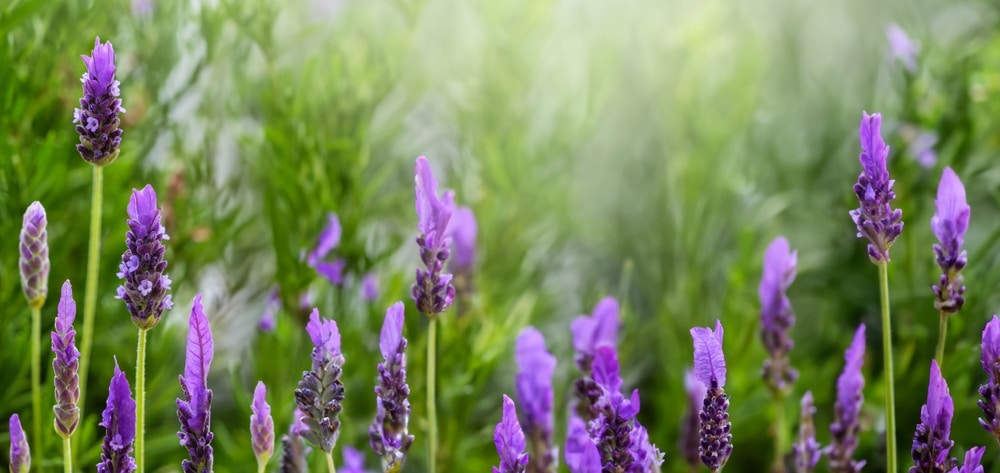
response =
{"points": [[949, 225], [776, 313], [533, 383], [142, 268], [194, 411], [902, 48], [716, 443], [875, 218], [389, 432], [582, 455], [972, 461], [990, 358], [328, 239], [97, 119], [321, 392], [690, 436], [20, 454], [847, 409], [807, 450], [118, 420], [931, 443], [261, 425], [433, 291], [509, 440], [293, 450], [66, 365], [34, 261], [463, 235]]}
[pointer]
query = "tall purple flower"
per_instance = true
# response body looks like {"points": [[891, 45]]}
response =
{"points": [[433, 291], [582, 455], [509, 440], [533, 384], [949, 225], [118, 420], [66, 365], [321, 392], [973, 457], [194, 411], [97, 119], [902, 48], [990, 359], [875, 218], [589, 334], [142, 268], [34, 261], [931, 445], [806, 449], [20, 454], [690, 435], [261, 426], [850, 396], [389, 432], [776, 313], [710, 368]]}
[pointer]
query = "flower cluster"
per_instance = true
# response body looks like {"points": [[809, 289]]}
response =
{"points": [[34, 260], [66, 365], [589, 334], [533, 384], [690, 435], [806, 449], [509, 440], [194, 411], [776, 313], [875, 218], [990, 360], [321, 392], [118, 420], [261, 425], [949, 225], [389, 431], [931, 443], [142, 268], [847, 409], [716, 444], [97, 119], [433, 291], [20, 454]]}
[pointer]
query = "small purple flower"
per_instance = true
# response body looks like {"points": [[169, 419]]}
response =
{"points": [[34, 261], [690, 435], [261, 425], [118, 420], [433, 291], [973, 457], [589, 334], [328, 239], [533, 384], [850, 396], [949, 225], [194, 411], [776, 313], [369, 287], [646, 458], [710, 368], [462, 229], [142, 268], [66, 365], [875, 218], [807, 450], [333, 271], [931, 443], [354, 461], [20, 454], [321, 392], [902, 48], [268, 319], [582, 455], [97, 119], [509, 440], [389, 431], [990, 359]]}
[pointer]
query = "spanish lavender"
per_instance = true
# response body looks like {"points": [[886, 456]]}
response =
{"points": [[145, 285], [990, 359], [710, 368], [931, 445], [433, 291], [118, 420], [847, 409], [34, 261], [509, 440], [589, 334], [97, 119], [875, 218], [389, 431], [66, 365], [690, 435], [321, 392], [776, 314], [261, 427], [582, 455], [973, 457], [533, 384], [194, 411], [807, 450], [20, 454], [949, 225]]}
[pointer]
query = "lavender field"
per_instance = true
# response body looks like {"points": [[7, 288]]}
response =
{"points": [[453, 235]]}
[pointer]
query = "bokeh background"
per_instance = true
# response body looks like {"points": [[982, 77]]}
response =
{"points": [[642, 149]]}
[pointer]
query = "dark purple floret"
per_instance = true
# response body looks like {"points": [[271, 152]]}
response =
{"points": [[20, 454], [321, 392], [850, 396], [990, 359], [118, 420], [66, 365], [142, 268], [875, 218], [97, 119], [509, 440], [931, 443], [776, 314], [690, 435], [194, 410], [806, 449], [389, 432], [949, 225], [433, 291], [34, 260]]}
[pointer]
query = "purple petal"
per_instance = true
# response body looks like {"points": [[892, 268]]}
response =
{"points": [[991, 346], [952, 217], [509, 438], [463, 236], [142, 207], [333, 272], [973, 458], [392, 331], [779, 271], [709, 361], [200, 349], [606, 369], [328, 239], [696, 390], [581, 451], [940, 407], [369, 287], [66, 312], [323, 332], [874, 152], [432, 213]]}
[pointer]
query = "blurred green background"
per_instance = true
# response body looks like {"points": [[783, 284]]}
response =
{"points": [[643, 149]]}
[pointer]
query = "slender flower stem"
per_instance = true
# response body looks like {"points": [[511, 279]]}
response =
{"points": [[90, 294], [67, 456], [890, 391], [942, 332], [780, 434], [36, 379], [261, 467], [329, 463], [431, 401], [140, 402]]}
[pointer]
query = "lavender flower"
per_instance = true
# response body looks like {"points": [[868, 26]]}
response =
{"points": [[462, 230], [710, 368], [97, 119], [903, 48], [807, 450], [875, 218], [389, 435], [194, 411], [261, 426], [20, 454], [582, 455], [949, 225], [646, 458], [369, 287], [509, 440], [776, 313], [931, 444], [293, 450], [328, 239], [142, 268], [118, 421], [354, 461], [321, 391], [850, 396], [690, 435], [66, 365], [589, 334], [34, 260], [972, 461], [433, 291], [533, 383], [990, 359]]}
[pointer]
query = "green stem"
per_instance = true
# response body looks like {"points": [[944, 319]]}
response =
{"points": [[942, 335], [890, 391], [67, 455], [140, 402], [329, 463], [431, 401], [36, 379], [780, 434], [261, 466], [90, 296]]}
